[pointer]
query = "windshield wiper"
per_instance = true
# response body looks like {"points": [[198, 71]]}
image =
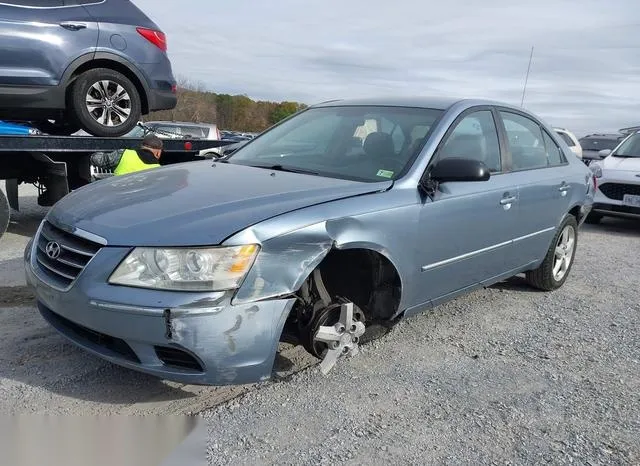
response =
{"points": [[282, 168]]}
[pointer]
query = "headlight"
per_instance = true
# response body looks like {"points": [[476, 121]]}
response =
{"points": [[596, 169], [186, 269]]}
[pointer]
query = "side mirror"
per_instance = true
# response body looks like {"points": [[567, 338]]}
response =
{"points": [[604, 153], [458, 169]]}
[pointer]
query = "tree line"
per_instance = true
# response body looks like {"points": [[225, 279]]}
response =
{"points": [[229, 112]]}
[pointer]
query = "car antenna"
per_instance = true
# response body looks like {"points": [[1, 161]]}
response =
{"points": [[526, 79]]}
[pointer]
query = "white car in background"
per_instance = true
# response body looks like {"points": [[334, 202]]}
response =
{"points": [[571, 140], [618, 180]]}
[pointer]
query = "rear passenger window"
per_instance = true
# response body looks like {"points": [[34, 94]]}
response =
{"points": [[475, 137], [525, 142], [554, 153]]}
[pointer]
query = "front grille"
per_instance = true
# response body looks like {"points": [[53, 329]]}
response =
{"points": [[74, 254], [177, 358], [83, 334], [618, 190]]}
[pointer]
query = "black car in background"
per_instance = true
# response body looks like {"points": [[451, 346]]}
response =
{"points": [[592, 144]]}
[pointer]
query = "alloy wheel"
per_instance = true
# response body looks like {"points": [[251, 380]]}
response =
{"points": [[108, 103], [565, 248]]}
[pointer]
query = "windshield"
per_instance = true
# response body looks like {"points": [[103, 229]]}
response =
{"points": [[629, 148], [598, 144], [362, 143]]}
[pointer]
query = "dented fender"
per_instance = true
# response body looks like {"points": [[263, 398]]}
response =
{"points": [[292, 247]]}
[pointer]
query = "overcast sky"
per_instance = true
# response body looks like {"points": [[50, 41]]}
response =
{"points": [[585, 72]]}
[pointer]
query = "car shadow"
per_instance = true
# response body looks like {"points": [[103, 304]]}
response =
{"points": [[618, 226], [516, 283], [25, 222]]}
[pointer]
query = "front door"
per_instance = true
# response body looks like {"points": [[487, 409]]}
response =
{"points": [[467, 227]]}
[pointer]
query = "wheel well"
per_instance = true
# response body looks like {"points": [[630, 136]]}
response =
{"points": [[115, 66], [365, 277], [575, 212]]}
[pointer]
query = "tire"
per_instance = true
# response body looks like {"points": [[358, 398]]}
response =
{"points": [[5, 213], [87, 88], [593, 219], [543, 278]]}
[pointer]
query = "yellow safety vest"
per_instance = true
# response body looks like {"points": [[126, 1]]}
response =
{"points": [[130, 162]]}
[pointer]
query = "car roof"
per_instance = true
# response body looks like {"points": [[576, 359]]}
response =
{"points": [[438, 103]]}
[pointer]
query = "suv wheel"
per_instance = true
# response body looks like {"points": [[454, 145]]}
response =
{"points": [[556, 266], [105, 103]]}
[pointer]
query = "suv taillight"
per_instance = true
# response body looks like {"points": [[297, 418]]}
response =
{"points": [[157, 38]]}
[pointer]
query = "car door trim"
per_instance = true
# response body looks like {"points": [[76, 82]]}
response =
{"points": [[493, 247]]}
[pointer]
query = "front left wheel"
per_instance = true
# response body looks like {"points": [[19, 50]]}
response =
{"points": [[105, 103], [555, 267]]}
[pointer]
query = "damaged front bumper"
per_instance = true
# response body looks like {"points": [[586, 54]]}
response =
{"points": [[194, 338]]}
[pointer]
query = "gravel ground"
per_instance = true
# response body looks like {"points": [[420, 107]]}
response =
{"points": [[505, 374]]}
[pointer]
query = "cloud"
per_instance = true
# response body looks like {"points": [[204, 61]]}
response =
{"points": [[584, 73]]}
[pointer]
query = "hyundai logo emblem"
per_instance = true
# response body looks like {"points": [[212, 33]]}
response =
{"points": [[52, 249]]}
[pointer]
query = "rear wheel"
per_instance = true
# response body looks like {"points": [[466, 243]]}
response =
{"points": [[5, 213], [105, 103], [556, 266]]}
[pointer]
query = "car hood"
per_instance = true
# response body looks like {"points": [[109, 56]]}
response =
{"points": [[621, 163], [194, 203]]}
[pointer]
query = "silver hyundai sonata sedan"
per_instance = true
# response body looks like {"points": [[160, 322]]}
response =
{"points": [[336, 222]]}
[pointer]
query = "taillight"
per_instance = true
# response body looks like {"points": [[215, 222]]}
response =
{"points": [[157, 38], [595, 183], [174, 88]]}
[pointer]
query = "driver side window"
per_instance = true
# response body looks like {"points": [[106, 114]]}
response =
{"points": [[474, 137]]}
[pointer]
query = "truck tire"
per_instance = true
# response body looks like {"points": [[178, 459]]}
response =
{"points": [[105, 103], [5, 213]]}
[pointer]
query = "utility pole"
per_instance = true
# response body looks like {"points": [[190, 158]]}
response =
{"points": [[526, 79]]}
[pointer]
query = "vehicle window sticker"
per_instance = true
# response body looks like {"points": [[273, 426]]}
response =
{"points": [[385, 173]]}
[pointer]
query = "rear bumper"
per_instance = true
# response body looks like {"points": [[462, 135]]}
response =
{"points": [[617, 210], [161, 99]]}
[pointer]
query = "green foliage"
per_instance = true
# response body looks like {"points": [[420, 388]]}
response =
{"points": [[229, 112]]}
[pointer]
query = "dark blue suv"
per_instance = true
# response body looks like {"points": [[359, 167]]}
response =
{"points": [[96, 65]]}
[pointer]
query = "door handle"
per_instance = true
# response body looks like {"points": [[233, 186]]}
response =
{"points": [[508, 200], [564, 188], [73, 26]]}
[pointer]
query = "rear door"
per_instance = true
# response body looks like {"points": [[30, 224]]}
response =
{"points": [[40, 38], [545, 181]]}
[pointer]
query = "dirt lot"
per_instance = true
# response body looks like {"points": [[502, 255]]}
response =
{"points": [[506, 374]]}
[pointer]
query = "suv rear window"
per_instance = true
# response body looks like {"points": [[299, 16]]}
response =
{"points": [[598, 144]]}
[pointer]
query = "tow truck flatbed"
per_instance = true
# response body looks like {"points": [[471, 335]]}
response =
{"points": [[59, 164]]}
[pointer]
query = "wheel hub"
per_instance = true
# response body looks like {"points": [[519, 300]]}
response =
{"points": [[341, 338]]}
